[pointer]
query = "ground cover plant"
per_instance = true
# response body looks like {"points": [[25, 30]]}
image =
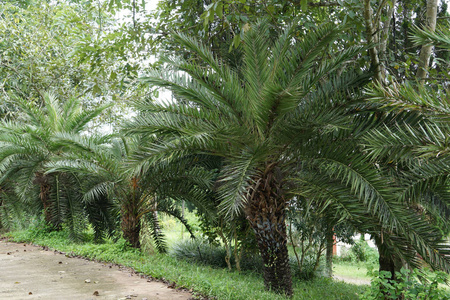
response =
{"points": [[410, 285]]}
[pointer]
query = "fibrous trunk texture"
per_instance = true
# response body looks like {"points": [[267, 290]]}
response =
{"points": [[266, 211], [130, 223], [44, 194]]}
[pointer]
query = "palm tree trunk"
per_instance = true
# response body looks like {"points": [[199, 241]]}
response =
{"points": [[44, 195], [388, 262], [266, 212], [130, 222]]}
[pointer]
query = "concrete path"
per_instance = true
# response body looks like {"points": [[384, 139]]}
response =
{"points": [[29, 272]]}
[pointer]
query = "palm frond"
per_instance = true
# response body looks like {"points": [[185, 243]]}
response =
{"points": [[155, 231], [439, 38], [234, 182], [79, 121]]}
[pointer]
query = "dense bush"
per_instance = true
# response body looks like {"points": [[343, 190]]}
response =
{"points": [[407, 286]]}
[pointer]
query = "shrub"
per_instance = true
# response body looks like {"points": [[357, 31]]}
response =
{"points": [[407, 286], [200, 251], [307, 272], [363, 252], [360, 251]]}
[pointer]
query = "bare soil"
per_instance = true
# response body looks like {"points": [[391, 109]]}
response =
{"points": [[32, 272]]}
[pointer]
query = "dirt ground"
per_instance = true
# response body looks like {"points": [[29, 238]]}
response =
{"points": [[30, 272]]}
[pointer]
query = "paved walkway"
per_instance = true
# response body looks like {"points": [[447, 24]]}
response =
{"points": [[29, 272]]}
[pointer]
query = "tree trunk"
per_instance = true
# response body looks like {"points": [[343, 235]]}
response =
{"points": [[130, 223], [266, 212], [388, 262], [372, 40], [44, 195], [222, 235], [384, 37], [425, 52], [329, 252]]}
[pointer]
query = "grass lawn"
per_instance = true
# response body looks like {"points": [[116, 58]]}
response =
{"points": [[351, 270]]}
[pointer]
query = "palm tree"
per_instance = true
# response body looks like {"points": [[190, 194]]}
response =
{"points": [[104, 170], [417, 153], [30, 141], [255, 118], [284, 126]]}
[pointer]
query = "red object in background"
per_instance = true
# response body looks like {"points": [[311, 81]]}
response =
{"points": [[334, 245]]}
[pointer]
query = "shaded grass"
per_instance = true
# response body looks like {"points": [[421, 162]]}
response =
{"points": [[351, 270], [212, 282]]}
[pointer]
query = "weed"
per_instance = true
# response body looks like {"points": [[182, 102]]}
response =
{"points": [[406, 286]]}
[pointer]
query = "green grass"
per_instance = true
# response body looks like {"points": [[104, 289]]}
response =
{"points": [[351, 270], [212, 282]]}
